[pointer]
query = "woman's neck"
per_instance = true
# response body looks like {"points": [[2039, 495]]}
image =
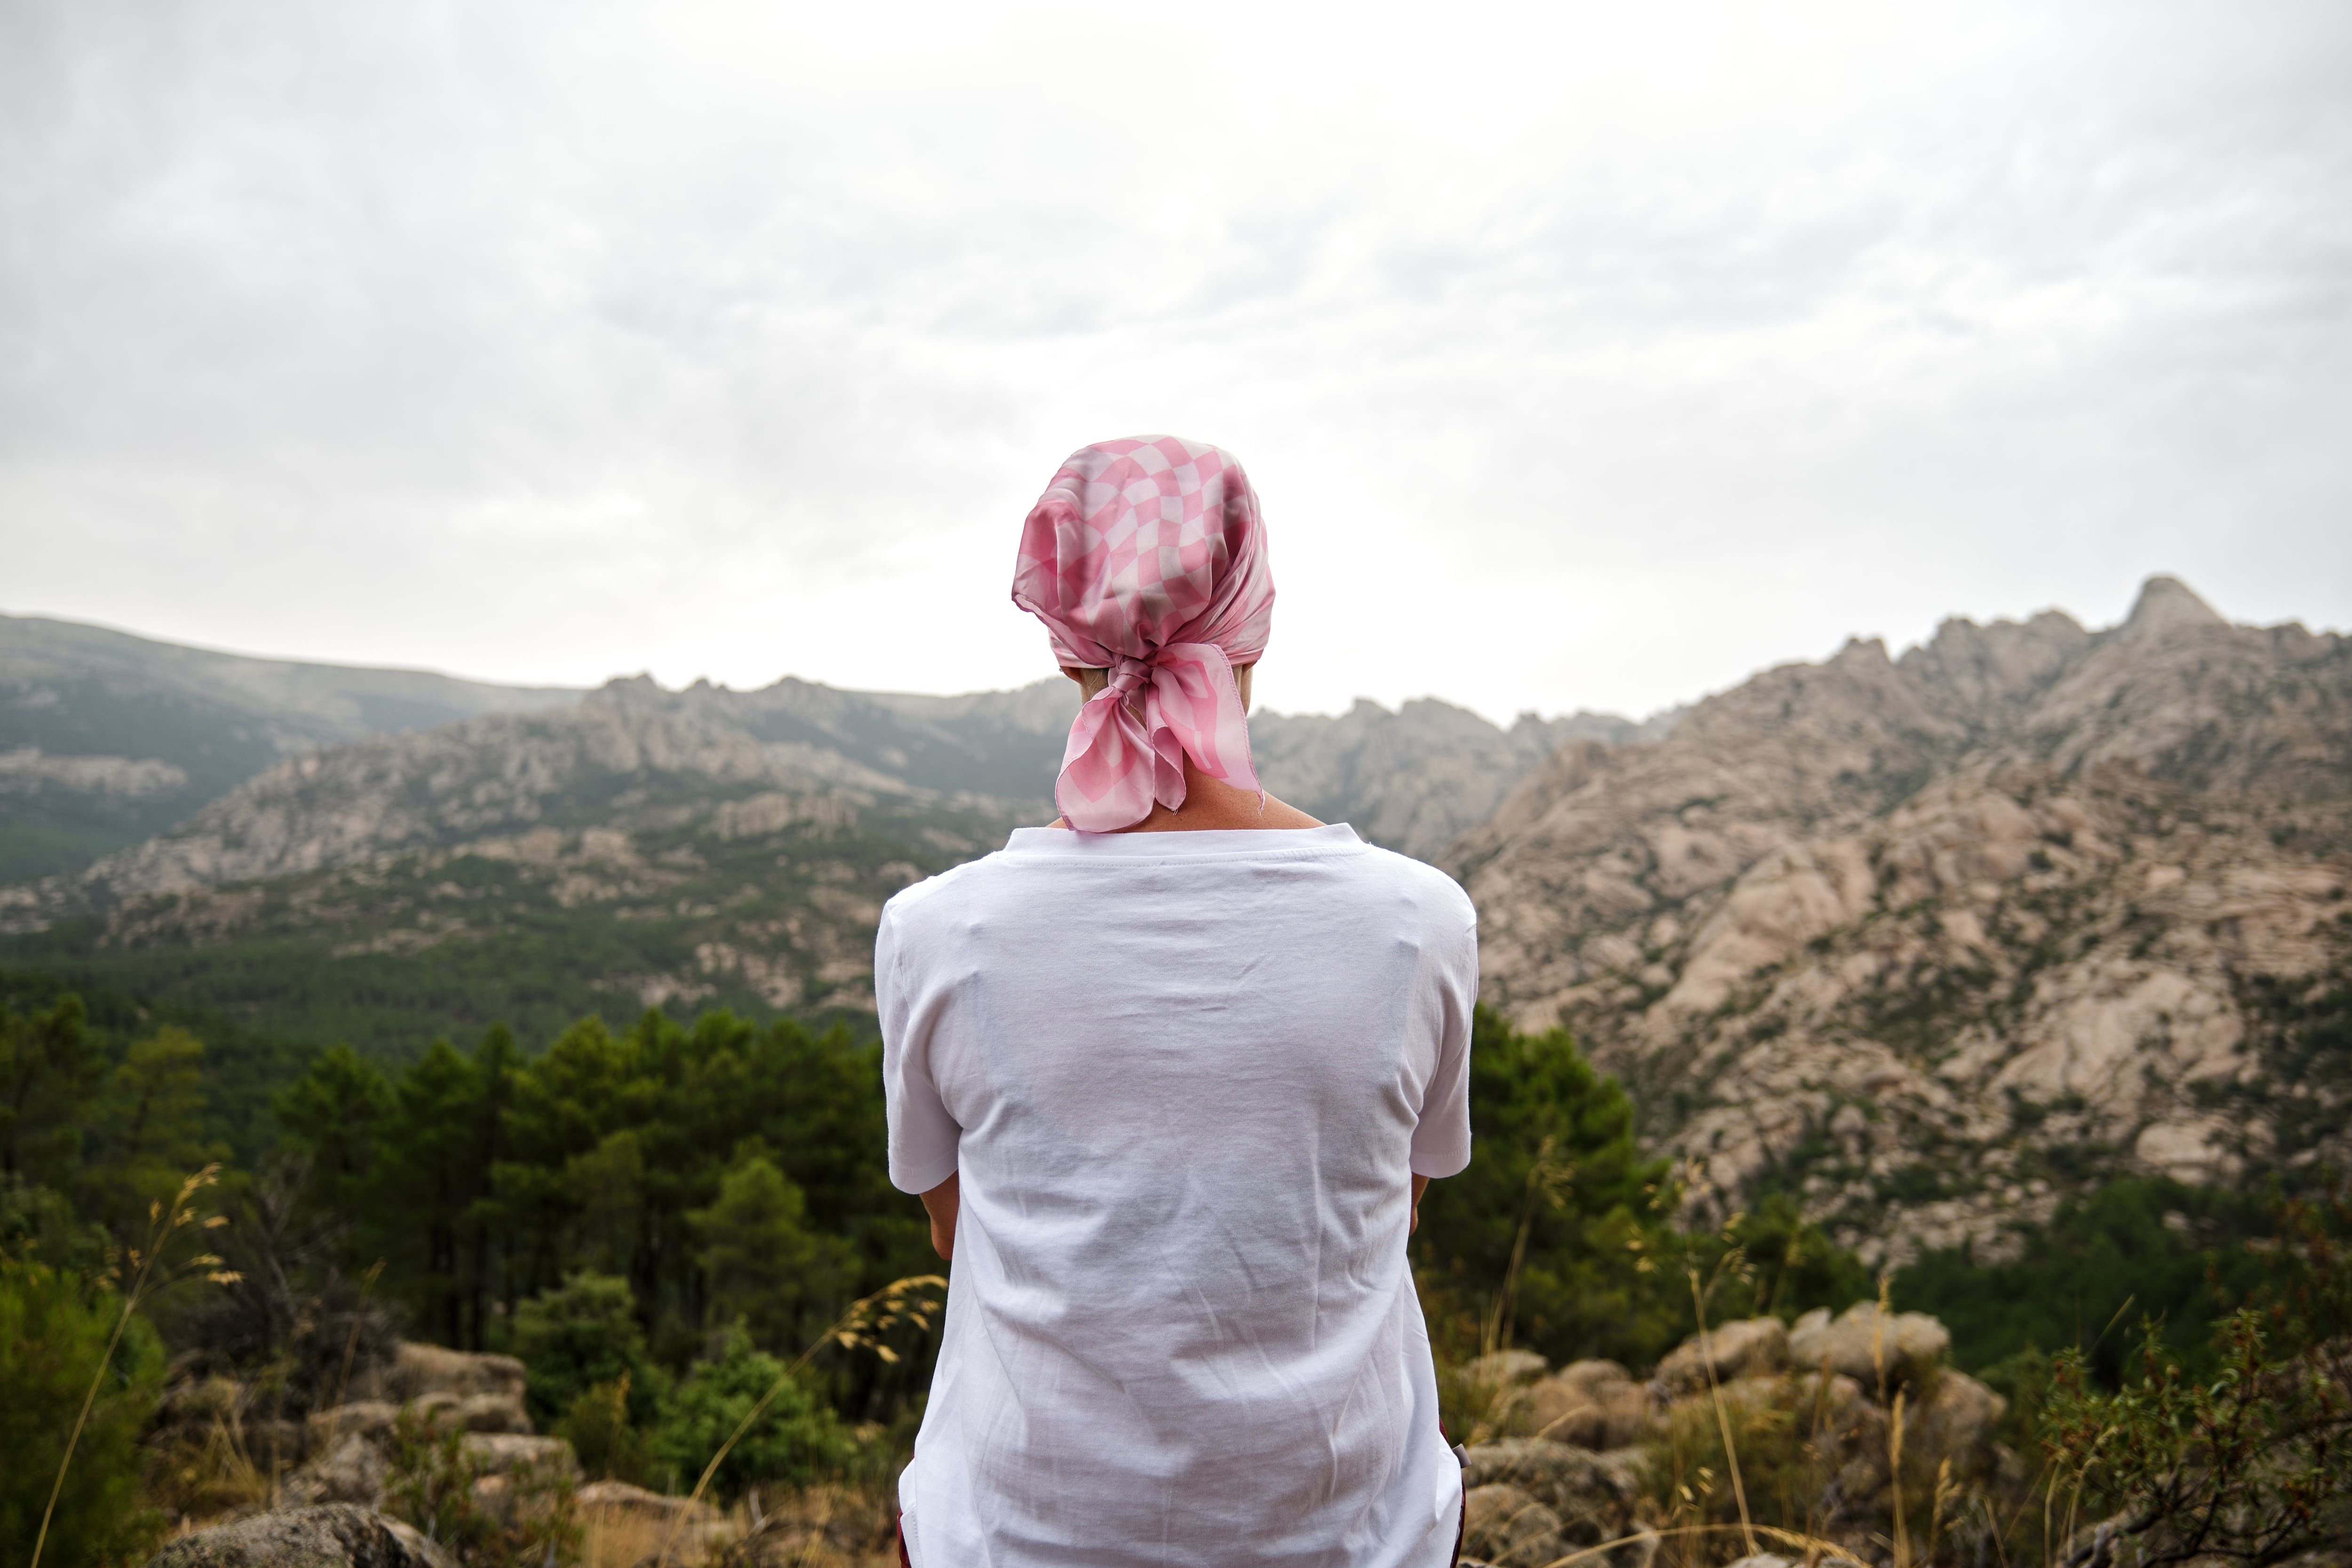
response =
{"points": [[1211, 805]]}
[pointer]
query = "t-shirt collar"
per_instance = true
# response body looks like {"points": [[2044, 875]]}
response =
{"points": [[1336, 836]]}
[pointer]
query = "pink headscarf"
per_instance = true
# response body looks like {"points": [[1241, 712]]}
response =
{"points": [[1146, 557]]}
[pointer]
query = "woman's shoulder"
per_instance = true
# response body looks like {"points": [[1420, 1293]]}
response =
{"points": [[911, 901], [1431, 888]]}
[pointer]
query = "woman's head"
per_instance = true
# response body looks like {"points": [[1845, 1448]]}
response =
{"points": [[1146, 560]]}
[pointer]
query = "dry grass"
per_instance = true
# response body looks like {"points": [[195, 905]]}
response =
{"points": [[199, 1476], [825, 1526], [618, 1538]]}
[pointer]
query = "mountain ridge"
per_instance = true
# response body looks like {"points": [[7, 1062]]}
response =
{"points": [[1880, 927], [644, 846], [1930, 941]]}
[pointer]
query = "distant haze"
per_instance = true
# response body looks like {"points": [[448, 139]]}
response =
{"points": [[1585, 356]]}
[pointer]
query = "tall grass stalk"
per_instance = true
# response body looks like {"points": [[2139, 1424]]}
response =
{"points": [[1902, 1543], [1548, 1180], [1722, 1416], [861, 1327], [1895, 1478], [163, 1224]]}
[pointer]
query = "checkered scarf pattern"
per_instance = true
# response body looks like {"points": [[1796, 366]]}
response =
{"points": [[1146, 557]]}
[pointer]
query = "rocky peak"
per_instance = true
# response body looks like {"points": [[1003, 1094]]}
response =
{"points": [[630, 690], [1862, 650], [2022, 857], [1413, 779], [2166, 606], [1999, 665]]}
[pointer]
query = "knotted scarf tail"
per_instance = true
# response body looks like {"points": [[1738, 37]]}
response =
{"points": [[1118, 763]]}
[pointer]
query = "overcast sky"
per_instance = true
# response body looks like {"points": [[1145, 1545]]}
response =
{"points": [[1583, 356]]}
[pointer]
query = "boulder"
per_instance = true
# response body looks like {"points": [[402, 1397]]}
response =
{"points": [[1592, 1497], [1951, 1415], [1749, 1348], [493, 1412], [335, 1535], [1590, 1405], [1875, 1350], [1505, 1526], [1506, 1369], [618, 1500], [500, 1453], [1836, 1408], [440, 1410], [504, 1498], [472, 1412], [369, 1418], [417, 1369], [352, 1471]]}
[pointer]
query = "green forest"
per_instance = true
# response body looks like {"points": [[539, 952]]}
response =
{"points": [[665, 1219]]}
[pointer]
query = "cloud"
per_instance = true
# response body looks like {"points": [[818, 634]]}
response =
{"points": [[1584, 356]]}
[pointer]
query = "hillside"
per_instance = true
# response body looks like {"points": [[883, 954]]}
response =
{"points": [[1934, 941], [106, 738], [643, 847]]}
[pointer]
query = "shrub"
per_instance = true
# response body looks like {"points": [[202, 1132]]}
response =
{"points": [[54, 1330], [597, 1426], [582, 1335], [1531, 1244], [2135, 1245], [795, 1439], [2249, 1463]]}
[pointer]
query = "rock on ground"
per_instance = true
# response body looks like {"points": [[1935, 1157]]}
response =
{"points": [[1589, 1498], [474, 1412], [369, 1418], [1509, 1529], [498, 1453], [333, 1536], [619, 1498], [1952, 1414], [1504, 1369], [1590, 1405], [1743, 1348], [420, 1368], [1857, 1343], [353, 1471]]}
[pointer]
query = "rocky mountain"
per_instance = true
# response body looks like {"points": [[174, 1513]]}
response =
{"points": [[1932, 941], [616, 854], [106, 738], [640, 847], [1417, 779]]}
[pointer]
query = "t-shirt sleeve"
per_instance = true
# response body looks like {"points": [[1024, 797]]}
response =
{"points": [[923, 1136], [1441, 1144]]}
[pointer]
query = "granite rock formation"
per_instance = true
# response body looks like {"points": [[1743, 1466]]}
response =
{"points": [[1896, 931]]}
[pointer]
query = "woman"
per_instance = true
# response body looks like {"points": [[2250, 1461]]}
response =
{"points": [[1171, 1076]]}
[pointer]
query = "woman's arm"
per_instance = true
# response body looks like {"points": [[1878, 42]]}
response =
{"points": [[940, 1203], [1420, 1186]]}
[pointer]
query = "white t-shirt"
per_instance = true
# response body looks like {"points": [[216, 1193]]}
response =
{"points": [[1186, 1079]]}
